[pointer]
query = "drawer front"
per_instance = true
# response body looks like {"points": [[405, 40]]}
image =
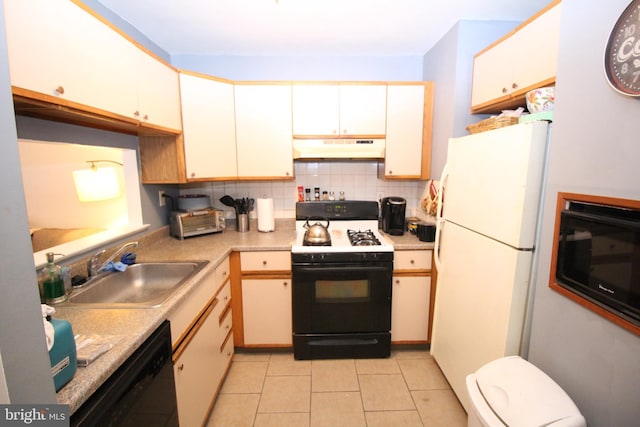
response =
{"points": [[222, 272], [224, 320], [222, 312], [224, 295], [187, 311], [266, 261], [412, 260]]}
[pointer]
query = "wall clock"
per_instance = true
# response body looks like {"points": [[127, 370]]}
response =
{"points": [[622, 54]]}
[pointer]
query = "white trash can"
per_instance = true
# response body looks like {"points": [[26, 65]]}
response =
{"points": [[512, 392]]}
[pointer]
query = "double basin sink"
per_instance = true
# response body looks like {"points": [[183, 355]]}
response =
{"points": [[145, 285]]}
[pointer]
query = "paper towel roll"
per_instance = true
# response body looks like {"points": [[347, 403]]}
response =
{"points": [[266, 221]]}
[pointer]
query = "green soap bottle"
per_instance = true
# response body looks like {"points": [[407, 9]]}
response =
{"points": [[51, 281]]}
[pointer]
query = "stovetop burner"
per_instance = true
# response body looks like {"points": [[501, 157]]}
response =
{"points": [[362, 238]]}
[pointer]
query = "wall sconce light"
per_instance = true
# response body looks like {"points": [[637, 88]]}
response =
{"points": [[95, 184]]}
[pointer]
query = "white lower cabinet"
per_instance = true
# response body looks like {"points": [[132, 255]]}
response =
{"points": [[410, 309], [411, 298], [195, 373], [202, 345], [266, 307]]}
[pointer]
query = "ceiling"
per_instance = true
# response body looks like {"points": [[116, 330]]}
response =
{"points": [[308, 27]]}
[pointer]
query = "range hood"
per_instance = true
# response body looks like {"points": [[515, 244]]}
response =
{"points": [[343, 148]]}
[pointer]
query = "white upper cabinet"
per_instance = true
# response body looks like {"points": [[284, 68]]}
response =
{"points": [[405, 124], [208, 120], [363, 109], [263, 131], [340, 110], [58, 49], [158, 93], [316, 109], [523, 60]]}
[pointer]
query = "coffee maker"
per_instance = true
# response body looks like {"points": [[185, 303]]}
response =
{"points": [[392, 215]]}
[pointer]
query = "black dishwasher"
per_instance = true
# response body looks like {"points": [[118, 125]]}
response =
{"points": [[141, 392]]}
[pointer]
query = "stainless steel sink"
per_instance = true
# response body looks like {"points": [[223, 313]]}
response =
{"points": [[144, 285]]}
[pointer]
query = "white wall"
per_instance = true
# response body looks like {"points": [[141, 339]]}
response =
{"points": [[47, 174], [341, 68], [25, 361], [594, 150]]}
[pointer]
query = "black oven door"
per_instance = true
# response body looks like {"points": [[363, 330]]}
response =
{"points": [[342, 298]]}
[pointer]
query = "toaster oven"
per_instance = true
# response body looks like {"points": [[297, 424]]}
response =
{"points": [[197, 222]]}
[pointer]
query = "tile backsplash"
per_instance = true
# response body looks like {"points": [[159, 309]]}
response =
{"points": [[358, 179]]}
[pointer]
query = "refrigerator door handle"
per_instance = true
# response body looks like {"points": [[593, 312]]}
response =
{"points": [[436, 245], [439, 218], [443, 177]]}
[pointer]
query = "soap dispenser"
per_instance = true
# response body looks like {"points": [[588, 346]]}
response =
{"points": [[51, 282]]}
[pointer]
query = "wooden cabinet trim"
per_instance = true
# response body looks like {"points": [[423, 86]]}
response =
{"points": [[427, 130], [204, 76], [236, 299]]}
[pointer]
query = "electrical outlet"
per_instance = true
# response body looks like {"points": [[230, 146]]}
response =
{"points": [[161, 201]]}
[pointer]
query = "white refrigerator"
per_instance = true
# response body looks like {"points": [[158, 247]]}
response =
{"points": [[485, 239]]}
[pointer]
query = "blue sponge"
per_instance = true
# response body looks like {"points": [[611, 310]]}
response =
{"points": [[128, 258]]}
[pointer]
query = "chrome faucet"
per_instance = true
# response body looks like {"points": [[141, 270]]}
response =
{"points": [[93, 265]]}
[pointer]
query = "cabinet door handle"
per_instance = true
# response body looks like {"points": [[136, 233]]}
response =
{"points": [[504, 90], [413, 261], [181, 367], [136, 113], [285, 283], [397, 281], [60, 90], [146, 117], [514, 85], [264, 263]]}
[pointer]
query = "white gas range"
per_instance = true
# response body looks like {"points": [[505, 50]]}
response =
{"points": [[341, 292]]}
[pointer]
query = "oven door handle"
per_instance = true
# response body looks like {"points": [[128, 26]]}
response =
{"points": [[330, 268]]}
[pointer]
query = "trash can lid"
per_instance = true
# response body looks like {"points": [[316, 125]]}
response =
{"points": [[521, 394]]}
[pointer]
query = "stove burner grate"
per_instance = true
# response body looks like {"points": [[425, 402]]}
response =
{"points": [[362, 238]]}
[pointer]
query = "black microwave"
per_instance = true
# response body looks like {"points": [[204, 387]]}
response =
{"points": [[598, 256]]}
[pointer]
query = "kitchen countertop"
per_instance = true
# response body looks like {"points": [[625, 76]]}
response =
{"points": [[134, 326]]}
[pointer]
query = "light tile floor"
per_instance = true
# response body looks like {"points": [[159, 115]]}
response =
{"points": [[273, 389]]}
